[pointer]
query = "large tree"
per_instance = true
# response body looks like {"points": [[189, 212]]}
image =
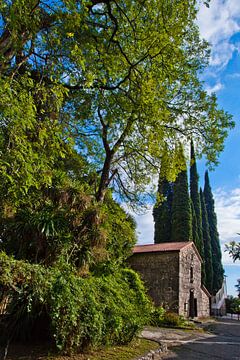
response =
{"points": [[162, 212], [118, 79], [181, 206], [215, 243], [194, 194], [196, 208], [91, 93], [194, 223], [207, 246]]}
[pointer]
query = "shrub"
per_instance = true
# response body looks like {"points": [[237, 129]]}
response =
{"points": [[172, 319], [97, 310], [105, 309], [161, 317], [233, 305], [157, 315]]}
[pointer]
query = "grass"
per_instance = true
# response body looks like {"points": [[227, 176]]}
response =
{"points": [[136, 348]]}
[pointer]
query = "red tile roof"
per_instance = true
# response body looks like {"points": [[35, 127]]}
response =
{"points": [[171, 246]]}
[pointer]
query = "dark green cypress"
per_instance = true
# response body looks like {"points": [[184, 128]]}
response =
{"points": [[215, 243], [162, 212], [207, 246], [162, 209], [181, 208], [194, 222], [194, 194]]}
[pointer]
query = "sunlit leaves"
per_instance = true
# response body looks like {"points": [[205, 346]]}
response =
{"points": [[32, 139], [134, 63]]}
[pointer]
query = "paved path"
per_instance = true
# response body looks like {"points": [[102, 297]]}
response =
{"points": [[222, 343]]}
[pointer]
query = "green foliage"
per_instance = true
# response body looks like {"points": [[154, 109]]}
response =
{"points": [[194, 224], [23, 287], [83, 312], [121, 111], [194, 194], [214, 236], [181, 210], [89, 100], [161, 317], [172, 319], [162, 210], [197, 230], [83, 294], [233, 305], [157, 315], [234, 250], [237, 286], [207, 246], [31, 138], [67, 222], [120, 228]]}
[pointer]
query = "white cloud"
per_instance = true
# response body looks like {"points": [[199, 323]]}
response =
{"points": [[145, 228], [227, 205], [217, 87], [221, 54], [217, 25], [234, 76]]}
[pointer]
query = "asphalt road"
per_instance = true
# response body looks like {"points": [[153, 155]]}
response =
{"points": [[224, 343]]}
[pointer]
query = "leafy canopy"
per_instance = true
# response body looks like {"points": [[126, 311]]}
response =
{"points": [[119, 81]]}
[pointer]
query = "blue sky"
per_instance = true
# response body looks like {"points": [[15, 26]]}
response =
{"points": [[220, 25]]}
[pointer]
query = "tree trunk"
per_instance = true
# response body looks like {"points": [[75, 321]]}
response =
{"points": [[104, 181]]}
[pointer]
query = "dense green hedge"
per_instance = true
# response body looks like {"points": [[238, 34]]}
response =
{"points": [[105, 309]]}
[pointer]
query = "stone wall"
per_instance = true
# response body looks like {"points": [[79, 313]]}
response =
{"points": [[160, 273], [173, 280], [204, 308], [190, 281]]}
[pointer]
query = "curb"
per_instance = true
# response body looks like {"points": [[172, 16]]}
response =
{"points": [[154, 354]]}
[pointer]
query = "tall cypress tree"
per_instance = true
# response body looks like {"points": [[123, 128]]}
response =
{"points": [[162, 212], [215, 243], [194, 222], [197, 225], [181, 208], [162, 209], [207, 246]]}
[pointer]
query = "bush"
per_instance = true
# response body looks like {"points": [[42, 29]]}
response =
{"points": [[97, 310], [233, 305], [161, 317], [106, 309], [157, 315], [172, 319]]}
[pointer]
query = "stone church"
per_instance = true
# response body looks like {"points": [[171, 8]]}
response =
{"points": [[172, 275]]}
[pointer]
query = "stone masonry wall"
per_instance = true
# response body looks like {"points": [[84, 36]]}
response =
{"points": [[204, 308], [190, 280], [160, 273]]}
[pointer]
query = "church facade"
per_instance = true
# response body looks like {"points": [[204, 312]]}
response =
{"points": [[172, 275]]}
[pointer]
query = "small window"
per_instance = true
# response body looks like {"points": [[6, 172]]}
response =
{"points": [[191, 274], [185, 307]]}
